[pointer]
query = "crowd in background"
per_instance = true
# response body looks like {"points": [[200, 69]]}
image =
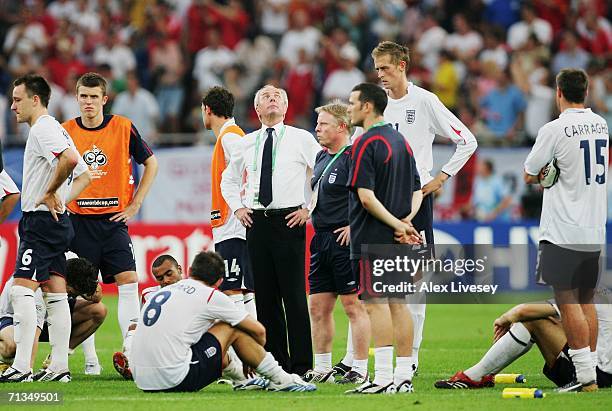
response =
{"points": [[492, 62]]}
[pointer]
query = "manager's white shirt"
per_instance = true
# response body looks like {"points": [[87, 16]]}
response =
{"points": [[296, 151]]}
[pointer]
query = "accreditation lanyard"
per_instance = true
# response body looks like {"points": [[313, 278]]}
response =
{"points": [[315, 190], [274, 149]]}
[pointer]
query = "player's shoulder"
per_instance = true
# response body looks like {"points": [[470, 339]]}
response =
{"points": [[298, 132], [148, 292], [45, 123]]}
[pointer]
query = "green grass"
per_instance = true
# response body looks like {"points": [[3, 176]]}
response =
{"points": [[455, 337]]}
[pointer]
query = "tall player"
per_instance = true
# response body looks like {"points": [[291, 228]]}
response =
{"points": [[419, 116], [108, 143], [52, 175], [570, 160], [229, 234]]}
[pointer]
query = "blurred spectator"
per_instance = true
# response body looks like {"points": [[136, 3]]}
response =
{"points": [[411, 25], [27, 31], [299, 84], [431, 41], [274, 18], [211, 61], [85, 17], [530, 23], [491, 199], [417, 72], [40, 15], [330, 49], [352, 16], [571, 55], [23, 60], [140, 106], [254, 53], [464, 42], [503, 13], [302, 36], [117, 54], [62, 9], [595, 34], [167, 67], [341, 81], [385, 18], [57, 94], [501, 113], [64, 63], [68, 105], [532, 54], [494, 49], [445, 81], [553, 11], [236, 82], [232, 21], [540, 97], [198, 23]]}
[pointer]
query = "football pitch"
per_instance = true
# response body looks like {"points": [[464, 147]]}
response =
{"points": [[455, 337]]}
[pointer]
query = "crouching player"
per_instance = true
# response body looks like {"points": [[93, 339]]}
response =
{"points": [[87, 313], [519, 328], [185, 330]]}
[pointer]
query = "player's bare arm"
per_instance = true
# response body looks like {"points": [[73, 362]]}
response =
{"points": [[78, 185], [435, 184], [67, 161], [253, 328], [520, 313], [150, 171], [8, 204]]}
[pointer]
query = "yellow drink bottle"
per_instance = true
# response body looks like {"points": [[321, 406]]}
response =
{"points": [[522, 393], [510, 379]]}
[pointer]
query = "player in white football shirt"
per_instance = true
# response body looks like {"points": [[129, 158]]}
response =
{"points": [[524, 325], [419, 116], [574, 148], [53, 173], [166, 271], [184, 332], [9, 193]]}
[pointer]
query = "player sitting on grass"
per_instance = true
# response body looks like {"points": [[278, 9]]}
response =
{"points": [[87, 312], [184, 332], [515, 333], [167, 271]]}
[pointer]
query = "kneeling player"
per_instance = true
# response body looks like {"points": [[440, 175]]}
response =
{"points": [[87, 312], [185, 330], [515, 333]]}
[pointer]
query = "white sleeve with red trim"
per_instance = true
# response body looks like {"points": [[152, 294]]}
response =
{"points": [[220, 307], [446, 124], [147, 293], [51, 137], [7, 184]]}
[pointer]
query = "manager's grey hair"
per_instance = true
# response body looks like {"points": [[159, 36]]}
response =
{"points": [[282, 92]]}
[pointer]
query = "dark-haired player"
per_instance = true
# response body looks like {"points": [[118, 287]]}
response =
{"points": [[53, 174], [228, 233]]}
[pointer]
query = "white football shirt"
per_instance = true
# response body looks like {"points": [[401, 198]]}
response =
{"points": [[46, 141], [7, 185], [173, 320], [574, 210], [419, 116]]}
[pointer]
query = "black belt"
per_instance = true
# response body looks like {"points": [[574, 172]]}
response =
{"points": [[276, 211]]}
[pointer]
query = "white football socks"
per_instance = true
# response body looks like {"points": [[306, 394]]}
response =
{"points": [[127, 343], [516, 342], [128, 306], [403, 370], [383, 365], [348, 357], [269, 368], [360, 367], [234, 369], [585, 371], [418, 319], [323, 362], [24, 318], [60, 323], [249, 304], [89, 350]]}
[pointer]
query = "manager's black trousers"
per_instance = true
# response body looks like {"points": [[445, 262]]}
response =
{"points": [[277, 260]]}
